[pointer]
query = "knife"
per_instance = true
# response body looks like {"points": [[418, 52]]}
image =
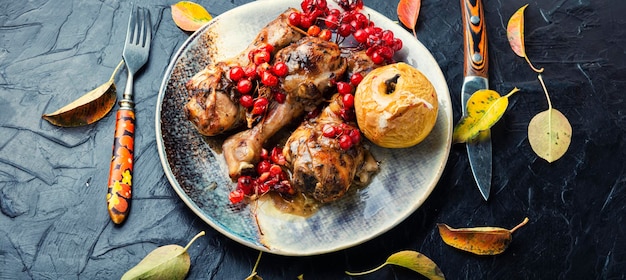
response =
{"points": [[475, 70]]}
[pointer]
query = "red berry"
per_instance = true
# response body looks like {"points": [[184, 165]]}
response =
{"points": [[236, 73], [267, 47], [250, 72], [269, 79], [280, 97], [244, 86], [377, 58], [345, 142], [261, 57], [277, 156], [275, 170], [294, 18], [264, 154], [326, 35], [246, 100], [348, 100], [329, 131], [263, 166], [387, 37], [245, 184], [313, 30], [260, 106], [356, 79], [360, 36], [236, 196], [306, 20], [386, 52], [263, 188], [345, 29], [331, 21], [397, 44], [280, 69], [344, 88], [355, 135]]}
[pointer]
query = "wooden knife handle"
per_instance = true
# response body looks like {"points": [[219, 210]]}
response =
{"points": [[475, 39], [121, 171]]}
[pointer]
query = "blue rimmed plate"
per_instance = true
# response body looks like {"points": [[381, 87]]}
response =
{"points": [[198, 174]]}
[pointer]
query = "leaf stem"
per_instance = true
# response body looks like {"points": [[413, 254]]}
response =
{"points": [[512, 92], [117, 68], [520, 225], [256, 264], [193, 239], [545, 90], [366, 272], [531, 65]]}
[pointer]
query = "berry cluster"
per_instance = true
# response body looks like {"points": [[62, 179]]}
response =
{"points": [[259, 71], [319, 20], [270, 176]]}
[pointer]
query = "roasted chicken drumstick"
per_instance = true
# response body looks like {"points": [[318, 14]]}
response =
{"points": [[212, 106], [314, 64], [319, 165]]}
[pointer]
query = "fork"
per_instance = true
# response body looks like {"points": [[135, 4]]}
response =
{"points": [[135, 54]]}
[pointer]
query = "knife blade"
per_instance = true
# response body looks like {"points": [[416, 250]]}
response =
{"points": [[475, 72]]}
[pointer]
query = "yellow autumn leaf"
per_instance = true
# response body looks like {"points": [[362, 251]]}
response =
{"points": [[484, 109], [189, 16], [479, 240], [412, 260], [88, 108], [515, 35], [549, 132]]}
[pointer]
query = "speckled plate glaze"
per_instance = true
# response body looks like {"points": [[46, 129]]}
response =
{"points": [[198, 174]]}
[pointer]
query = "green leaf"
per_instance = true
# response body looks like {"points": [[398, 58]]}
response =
{"points": [[165, 262], [549, 134], [412, 260], [484, 109]]}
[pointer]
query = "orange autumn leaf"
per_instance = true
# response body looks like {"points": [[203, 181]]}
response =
{"points": [[408, 11], [478, 240], [189, 16], [515, 35]]}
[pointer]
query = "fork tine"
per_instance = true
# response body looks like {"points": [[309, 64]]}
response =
{"points": [[147, 28]]}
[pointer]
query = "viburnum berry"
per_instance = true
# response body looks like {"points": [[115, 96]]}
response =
{"points": [[356, 78], [260, 106], [325, 35], [344, 88], [277, 157], [280, 97], [245, 184], [345, 29], [280, 69], [328, 130], [348, 100], [294, 18], [355, 135], [250, 72], [313, 30], [244, 86], [246, 100], [269, 79], [331, 20], [261, 57], [236, 73], [360, 36], [345, 142], [236, 196], [377, 58], [275, 170], [263, 166]]}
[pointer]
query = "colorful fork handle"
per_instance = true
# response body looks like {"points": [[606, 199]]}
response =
{"points": [[121, 171]]}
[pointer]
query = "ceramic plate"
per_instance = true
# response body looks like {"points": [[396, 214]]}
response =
{"points": [[198, 173]]}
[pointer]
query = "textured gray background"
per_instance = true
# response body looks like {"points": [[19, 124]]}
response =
{"points": [[54, 223]]}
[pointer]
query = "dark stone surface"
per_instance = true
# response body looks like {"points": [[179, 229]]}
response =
{"points": [[54, 224]]}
